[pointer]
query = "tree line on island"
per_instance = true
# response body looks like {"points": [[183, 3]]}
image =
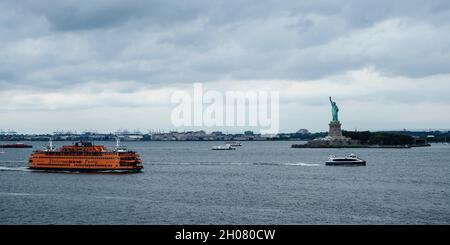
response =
{"points": [[380, 138]]}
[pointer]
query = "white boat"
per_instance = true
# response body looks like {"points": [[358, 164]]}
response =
{"points": [[224, 147], [50, 146], [350, 160], [234, 143], [2, 151], [119, 148]]}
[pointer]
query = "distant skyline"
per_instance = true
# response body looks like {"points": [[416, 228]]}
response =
{"points": [[109, 65], [207, 131]]}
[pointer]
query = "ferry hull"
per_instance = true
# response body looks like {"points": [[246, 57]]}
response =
{"points": [[362, 163], [88, 170]]}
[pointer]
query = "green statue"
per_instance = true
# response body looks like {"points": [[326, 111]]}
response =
{"points": [[334, 111]]}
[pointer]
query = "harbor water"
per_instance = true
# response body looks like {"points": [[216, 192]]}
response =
{"points": [[259, 183]]}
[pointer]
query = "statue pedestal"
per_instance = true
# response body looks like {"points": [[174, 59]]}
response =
{"points": [[335, 136], [335, 130], [335, 139]]}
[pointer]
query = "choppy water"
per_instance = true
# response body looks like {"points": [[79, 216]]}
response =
{"points": [[259, 183]]}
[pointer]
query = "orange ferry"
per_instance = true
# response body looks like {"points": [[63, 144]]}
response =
{"points": [[85, 156]]}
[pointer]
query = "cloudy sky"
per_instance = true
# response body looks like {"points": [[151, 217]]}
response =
{"points": [[105, 65]]}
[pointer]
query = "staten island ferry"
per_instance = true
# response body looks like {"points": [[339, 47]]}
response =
{"points": [[85, 157]]}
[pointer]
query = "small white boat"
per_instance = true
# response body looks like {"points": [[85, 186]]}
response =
{"points": [[120, 148], [350, 160], [2, 151], [234, 143], [224, 147]]}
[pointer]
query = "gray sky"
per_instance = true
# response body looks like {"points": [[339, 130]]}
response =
{"points": [[105, 65]]}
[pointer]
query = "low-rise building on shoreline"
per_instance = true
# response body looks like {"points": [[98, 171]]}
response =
{"points": [[301, 135]]}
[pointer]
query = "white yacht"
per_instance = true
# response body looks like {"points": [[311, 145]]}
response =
{"points": [[224, 147], [350, 160], [119, 148], [234, 143], [50, 146]]}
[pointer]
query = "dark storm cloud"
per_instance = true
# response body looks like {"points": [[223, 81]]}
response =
{"points": [[71, 15], [54, 44]]}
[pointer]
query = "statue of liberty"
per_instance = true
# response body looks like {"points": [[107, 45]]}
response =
{"points": [[334, 111]]}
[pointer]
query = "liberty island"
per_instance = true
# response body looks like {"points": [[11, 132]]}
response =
{"points": [[336, 139]]}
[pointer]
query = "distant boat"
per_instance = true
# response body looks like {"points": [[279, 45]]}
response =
{"points": [[2, 151], [350, 160], [223, 147], [16, 145], [234, 143]]}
